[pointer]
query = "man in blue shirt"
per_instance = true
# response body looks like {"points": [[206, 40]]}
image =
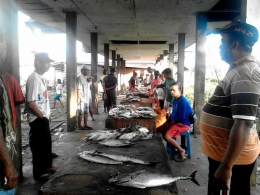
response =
{"points": [[109, 86]]}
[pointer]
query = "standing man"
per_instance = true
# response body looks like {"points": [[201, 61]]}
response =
{"points": [[104, 100], [109, 87], [148, 83], [83, 97], [228, 120], [10, 93], [38, 114]]}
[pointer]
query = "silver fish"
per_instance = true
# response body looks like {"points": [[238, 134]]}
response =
{"points": [[121, 158], [116, 143], [144, 179], [98, 159]]}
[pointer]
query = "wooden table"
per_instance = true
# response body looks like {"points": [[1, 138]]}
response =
{"points": [[145, 102], [114, 123]]}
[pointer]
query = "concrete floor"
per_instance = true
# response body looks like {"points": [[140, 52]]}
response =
{"points": [[66, 149]]}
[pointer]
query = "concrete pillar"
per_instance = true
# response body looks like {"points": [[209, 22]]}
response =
{"points": [[250, 14], [94, 69], [124, 82], [121, 74], [181, 48], [106, 56], [200, 64], [113, 58], [9, 21], [118, 64], [71, 69], [171, 55], [165, 58]]}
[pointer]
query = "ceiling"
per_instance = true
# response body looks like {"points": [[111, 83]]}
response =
{"points": [[136, 29]]}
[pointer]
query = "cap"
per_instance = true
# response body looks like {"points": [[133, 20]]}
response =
{"points": [[85, 67], [44, 57], [245, 31], [112, 70]]}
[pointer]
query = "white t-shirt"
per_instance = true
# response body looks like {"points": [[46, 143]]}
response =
{"points": [[58, 89], [150, 80], [160, 93], [36, 90], [84, 88]]}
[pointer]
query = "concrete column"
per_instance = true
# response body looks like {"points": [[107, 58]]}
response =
{"points": [[118, 64], [250, 14], [165, 58], [9, 21], [113, 58], [200, 64], [121, 74], [171, 55], [106, 56], [71, 69], [181, 48], [94, 69]]}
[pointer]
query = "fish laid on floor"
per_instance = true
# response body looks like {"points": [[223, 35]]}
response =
{"points": [[145, 179], [116, 143], [121, 158], [98, 159]]}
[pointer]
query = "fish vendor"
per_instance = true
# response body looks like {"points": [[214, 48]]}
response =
{"points": [[178, 121]]}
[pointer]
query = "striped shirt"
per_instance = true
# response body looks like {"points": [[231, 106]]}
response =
{"points": [[236, 97]]}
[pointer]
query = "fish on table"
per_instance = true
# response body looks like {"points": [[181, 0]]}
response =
{"points": [[98, 159], [144, 179], [121, 158], [116, 143]]}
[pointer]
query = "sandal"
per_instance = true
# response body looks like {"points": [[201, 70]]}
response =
{"points": [[82, 128], [180, 159], [93, 119], [88, 128], [54, 155], [52, 169], [44, 178]]}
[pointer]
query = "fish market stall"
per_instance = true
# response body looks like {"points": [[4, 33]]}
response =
{"points": [[91, 173], [137, 101], [124, 115]]}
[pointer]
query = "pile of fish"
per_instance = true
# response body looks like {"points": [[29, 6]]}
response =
{"points": [[128, 133], [130, 111], [140, 92], [104, 158], [132, 99], [145, 179]]}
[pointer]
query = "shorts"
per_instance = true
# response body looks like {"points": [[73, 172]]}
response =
{"points": [[57, 97], [83, 108], [111, 99], [174, 131]]}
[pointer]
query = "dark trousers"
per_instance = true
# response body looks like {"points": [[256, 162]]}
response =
{"points": [[240, 180], [41, 146], [161, 103]]}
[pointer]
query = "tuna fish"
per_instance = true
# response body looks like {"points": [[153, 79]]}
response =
{"points": [[145, 179], [98, 159], [116, 143], [121, 158]]}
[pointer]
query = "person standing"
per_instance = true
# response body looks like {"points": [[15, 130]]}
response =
{"points": [[83, 87], [154, 83], [161, 93], [109, 87], [148, 82], [91, 86], [104, 100], [132, 82], [169, 80], [10, 95], [228, 120], [58, 93], [38, 115]]}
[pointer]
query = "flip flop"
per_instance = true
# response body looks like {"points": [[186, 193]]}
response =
{"points": [[88, 128], [52, 169], [54, 155], [180, 159], [93, 119], [44, 178], [82, 128]]}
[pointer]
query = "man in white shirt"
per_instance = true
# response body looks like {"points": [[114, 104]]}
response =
{"points": [[38, 114], [83, 87]]}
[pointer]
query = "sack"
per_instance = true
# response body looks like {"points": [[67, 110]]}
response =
{"points": [[192, 117]]}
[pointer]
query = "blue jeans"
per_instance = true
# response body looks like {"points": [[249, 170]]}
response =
{"points": [[7, 192]]}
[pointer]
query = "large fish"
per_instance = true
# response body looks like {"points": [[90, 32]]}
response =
{"points": [[145, 179], [121, 158], [98, 159], [116, 143]]}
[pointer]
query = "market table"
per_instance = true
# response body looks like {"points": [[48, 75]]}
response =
{"points": [[115, 123], [82, 177], [145, 102]]}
